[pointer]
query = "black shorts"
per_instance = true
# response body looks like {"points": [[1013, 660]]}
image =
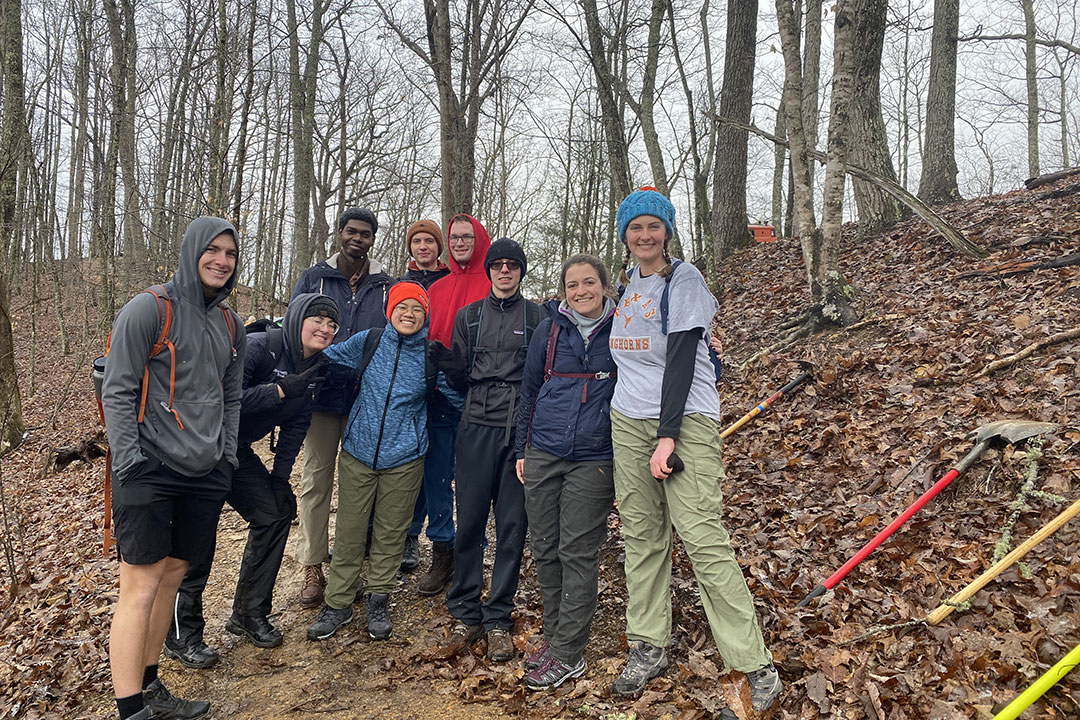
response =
{"points": [[160, 513]]}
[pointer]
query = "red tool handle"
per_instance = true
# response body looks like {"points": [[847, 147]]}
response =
{"points": [[940, 485]]}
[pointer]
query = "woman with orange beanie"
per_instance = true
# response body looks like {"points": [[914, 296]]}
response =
{"points": [[382, 456]]}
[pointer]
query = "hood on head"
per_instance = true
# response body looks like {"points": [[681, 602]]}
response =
{"points": [[480, 248], [197, 238], [293, 322]]}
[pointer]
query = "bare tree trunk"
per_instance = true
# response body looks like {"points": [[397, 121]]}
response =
{"points": [[779, 161], [121, 23], [14, 162], [245, 114], [937, 184], [218, 149], [610, 113], [79, 126], [878, 210], [811, 69], [302, 108], [729, 178], [1031, 79]]}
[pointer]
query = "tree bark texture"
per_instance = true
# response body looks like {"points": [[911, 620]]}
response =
{"points": [[878, 210], [811, 82], [729, 178], [937, 184], [1032, 82]]}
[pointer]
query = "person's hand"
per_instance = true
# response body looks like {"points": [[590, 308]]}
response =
{"points": [[716, 346], [520, 467], [658, 462], [296, 384], [450, 363]]}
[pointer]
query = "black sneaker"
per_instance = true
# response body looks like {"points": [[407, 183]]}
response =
{"points": [[643, 663], [328, 622], [410, 556], [256, 629], [197, 655], [379, 626], [765, 686], [164, 705]]}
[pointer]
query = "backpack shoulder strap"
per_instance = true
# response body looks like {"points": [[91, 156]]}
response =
{"points": [[664, 296], [549, 356], [371, 344], [532, 319], [164, 305], [474, 315]]}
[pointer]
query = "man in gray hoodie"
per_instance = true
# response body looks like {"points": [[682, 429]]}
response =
{"points": [[172, 409]]}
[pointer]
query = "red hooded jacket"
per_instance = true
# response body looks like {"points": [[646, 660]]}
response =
{"points": [[465, 284]]}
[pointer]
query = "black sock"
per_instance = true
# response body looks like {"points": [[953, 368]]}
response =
{"points": [[149, 675], [130, 705]]}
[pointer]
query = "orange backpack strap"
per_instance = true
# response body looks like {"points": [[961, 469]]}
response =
{"points": [[164, 306], [231, 327]]}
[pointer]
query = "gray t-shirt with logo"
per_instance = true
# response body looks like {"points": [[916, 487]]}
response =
{"points": [[639, 347]]}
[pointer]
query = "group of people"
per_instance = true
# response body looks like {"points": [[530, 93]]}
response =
{"points": [[445, 396]]}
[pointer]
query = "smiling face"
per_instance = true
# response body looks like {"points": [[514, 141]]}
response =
{"points": [[425, 250], [505, 277], [316, 334], [407, 317], [217, 263], [461, 241], [584, 291], [356, 238], [645, 236]]}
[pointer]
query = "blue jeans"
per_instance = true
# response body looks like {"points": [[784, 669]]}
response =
{"points": [[436, 498]]}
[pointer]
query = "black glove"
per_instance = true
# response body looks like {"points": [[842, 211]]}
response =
{"points": [[450, 363], [283, 496], [296, 384]]}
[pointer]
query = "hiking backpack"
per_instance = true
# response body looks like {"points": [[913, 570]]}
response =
{"points": [[474, 314]]}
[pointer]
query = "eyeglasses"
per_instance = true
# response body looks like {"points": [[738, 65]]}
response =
{"points": [[510, 265], [324, 323], [462, 238]]}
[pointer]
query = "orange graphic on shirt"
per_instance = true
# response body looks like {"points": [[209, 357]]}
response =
{"points": [[649, 314], [627, 319]]}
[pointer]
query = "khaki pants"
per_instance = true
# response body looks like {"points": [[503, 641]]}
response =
{"points": [[692, 501], [393, 493], [316, 487]]}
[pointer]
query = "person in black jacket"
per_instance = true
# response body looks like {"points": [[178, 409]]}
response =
{"points": [[493, 335], [563, 449], [282, 371]]}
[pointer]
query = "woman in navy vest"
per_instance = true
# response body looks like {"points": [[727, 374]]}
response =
{"points": [[565, 462]]}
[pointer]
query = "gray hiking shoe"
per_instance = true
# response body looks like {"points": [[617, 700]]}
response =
{"points": [[379, 626], [765, 686], [643, 663], [328, 622], [553, 673]]}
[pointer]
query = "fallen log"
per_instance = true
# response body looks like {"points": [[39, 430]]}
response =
{"points": [[1032, 183], [1018, 267]]}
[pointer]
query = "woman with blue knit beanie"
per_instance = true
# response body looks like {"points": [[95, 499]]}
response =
{"points": [[665, 417]]}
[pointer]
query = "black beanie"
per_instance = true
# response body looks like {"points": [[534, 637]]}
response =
{"points": [[505, 249], [358, 213], [322, 306]]}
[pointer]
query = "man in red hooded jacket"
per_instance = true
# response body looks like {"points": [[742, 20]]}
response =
{"points": [[467, 282]]}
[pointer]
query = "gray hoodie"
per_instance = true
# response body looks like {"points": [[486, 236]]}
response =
{"points": [[209, 372]]}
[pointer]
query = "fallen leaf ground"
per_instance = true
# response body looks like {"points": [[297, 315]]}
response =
{"points": [[808, 483]]}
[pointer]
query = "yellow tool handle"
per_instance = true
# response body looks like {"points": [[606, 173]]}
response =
{"points": [[978, 583], [1040, 686]]}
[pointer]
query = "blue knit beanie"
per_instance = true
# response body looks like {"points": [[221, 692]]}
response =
{"points": [[645, 201]]}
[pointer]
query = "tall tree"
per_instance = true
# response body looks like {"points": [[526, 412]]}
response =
{"points": [[1031, 80], [938, 181], [14, 163], [878, 209], [473, 44], [820, 245], [729, 177]]}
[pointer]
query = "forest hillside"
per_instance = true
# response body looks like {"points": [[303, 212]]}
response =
{"points": [[889, 409]]}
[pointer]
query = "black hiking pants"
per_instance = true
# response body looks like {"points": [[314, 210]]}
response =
{"points": [[486, 479], [268, 514]]}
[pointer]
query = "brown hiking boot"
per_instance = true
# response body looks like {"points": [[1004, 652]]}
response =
{"points": [[461, 637], [311, 594], [442, 569], [500, 646]]}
